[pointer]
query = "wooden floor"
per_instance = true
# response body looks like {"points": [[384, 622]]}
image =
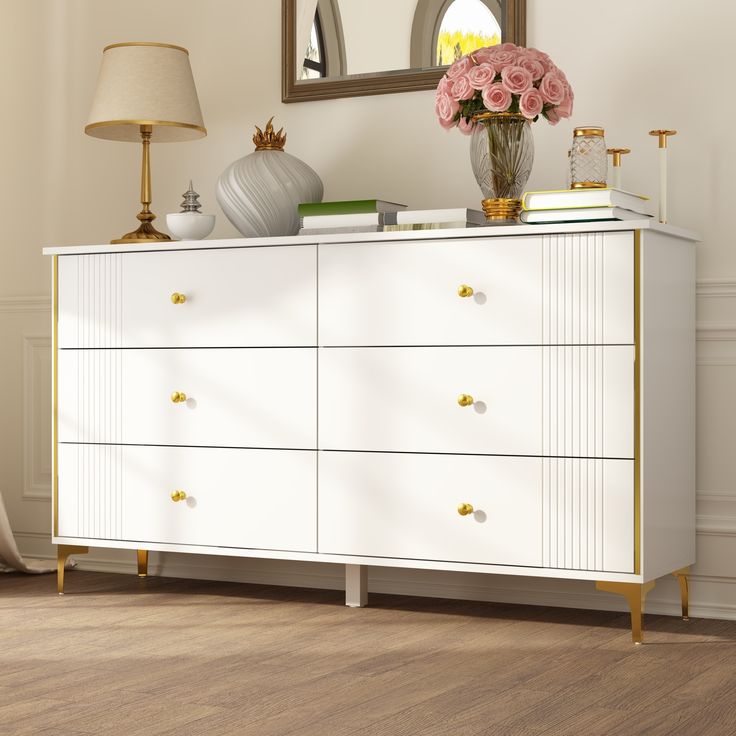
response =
{"points": [[123, 656]]}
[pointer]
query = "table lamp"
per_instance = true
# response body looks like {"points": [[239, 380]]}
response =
{"points": [[145, 92]]}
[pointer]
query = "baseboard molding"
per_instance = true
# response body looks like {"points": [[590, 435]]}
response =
{"points": [[711, 596]]}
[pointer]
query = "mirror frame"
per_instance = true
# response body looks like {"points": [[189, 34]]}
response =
{"points": [[381, 83]]}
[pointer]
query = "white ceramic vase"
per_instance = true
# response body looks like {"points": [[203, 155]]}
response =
{"points": [[259, 193]]}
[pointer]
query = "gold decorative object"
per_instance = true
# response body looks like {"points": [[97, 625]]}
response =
{"points": [[617, 153], [145, 92], [464, 509], [63, 551], [662, 135], [178, 397], [177, 298], [465, 400], [268, 140], [464, 290], [177, 496], [142, 563], [682, 578]]}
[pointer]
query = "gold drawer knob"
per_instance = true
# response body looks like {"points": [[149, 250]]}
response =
{"points": [[464, 290], [464, 509], [178, 397], [177, 298], [465, 400], [177, 496]]}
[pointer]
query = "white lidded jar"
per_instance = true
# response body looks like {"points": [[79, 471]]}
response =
{"points": [[260, 192]]}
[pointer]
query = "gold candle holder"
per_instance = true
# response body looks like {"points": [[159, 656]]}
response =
{"points": [[662, 136], [617, 153]]}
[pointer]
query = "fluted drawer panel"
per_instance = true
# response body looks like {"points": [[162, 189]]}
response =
{"points": [[263, 499], [235, 397], [237, 297], [588, 289], [588, 514]]}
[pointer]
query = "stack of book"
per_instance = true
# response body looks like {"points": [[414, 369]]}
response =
{"points": [[376, 215], [354, 216], [582, 205]]}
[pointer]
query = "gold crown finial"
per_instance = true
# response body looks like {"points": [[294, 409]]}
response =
{"points": [[268, 140]]}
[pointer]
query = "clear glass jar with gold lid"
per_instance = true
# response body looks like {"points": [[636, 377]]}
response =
{"points": [[588, 158]]}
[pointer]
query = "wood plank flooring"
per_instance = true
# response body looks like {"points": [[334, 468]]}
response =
{"points": [[129, 657]]}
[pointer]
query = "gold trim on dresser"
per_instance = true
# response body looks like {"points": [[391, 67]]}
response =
{"points": [[635, 595], [63, 551], [637, 402], [55, 393]]}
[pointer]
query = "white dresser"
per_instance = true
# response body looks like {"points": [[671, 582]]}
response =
{"points": [[510, 400]]}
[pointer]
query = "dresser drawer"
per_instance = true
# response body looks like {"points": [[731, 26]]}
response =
{"points": [[234, 297], [534, 290], [528, 512], [560, 401], [235, 397], [263, 499], [406, 506]]}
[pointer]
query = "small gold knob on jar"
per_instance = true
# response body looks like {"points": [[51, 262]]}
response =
{"points": [[465, 399], [177, 496], [464, 509], [177, 298], [464, 290], [178, 397]]}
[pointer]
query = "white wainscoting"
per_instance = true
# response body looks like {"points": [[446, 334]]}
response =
{"points": [[25, 484]]}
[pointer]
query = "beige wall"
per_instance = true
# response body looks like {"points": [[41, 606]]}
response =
{"points": [[634, 66]]}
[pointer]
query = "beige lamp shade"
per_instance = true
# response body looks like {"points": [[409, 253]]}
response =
{"points": [[144, 83]]}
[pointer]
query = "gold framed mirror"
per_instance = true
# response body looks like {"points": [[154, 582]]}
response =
{"points": [[352, 48]]}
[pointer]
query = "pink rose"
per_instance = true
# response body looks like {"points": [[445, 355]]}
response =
{"points": [[516, 79], [508, 47], [496, 97], [444, 86], [542, 58], [446, 109], [501, 59], [552, 88], [531, 103], [461, 89], [533, 66], [465, 126], [482, 55], [481, 76], [552, 116], [461, 66], [564, 109]]}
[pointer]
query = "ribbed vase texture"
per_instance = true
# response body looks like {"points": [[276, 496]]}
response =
{"points": [[502, 154], [260, 192]]}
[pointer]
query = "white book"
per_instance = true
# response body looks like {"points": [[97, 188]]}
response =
{"points": [[340, 230], [358, 219], [581, 214], [579, 198], [418, 217], [430, 226]]}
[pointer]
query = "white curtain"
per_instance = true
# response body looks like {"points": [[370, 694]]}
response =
{"points": [[10, 558], [305, 10]]}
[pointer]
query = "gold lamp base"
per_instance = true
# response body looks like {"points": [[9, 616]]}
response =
{"points": [[146, 233], [502, 210]]}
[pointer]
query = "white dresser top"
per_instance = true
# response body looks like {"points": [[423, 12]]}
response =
{"points": [[493, 231]]}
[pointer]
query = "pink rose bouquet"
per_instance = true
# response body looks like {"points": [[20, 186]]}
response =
{"points": [[504, 78]]}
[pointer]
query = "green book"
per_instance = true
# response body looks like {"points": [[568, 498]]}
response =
{"points": [[348, 207]]}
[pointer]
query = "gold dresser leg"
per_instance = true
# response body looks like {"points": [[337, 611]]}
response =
{"points": [[682, 578], [142, 563], [62, 553], [635, 594]]}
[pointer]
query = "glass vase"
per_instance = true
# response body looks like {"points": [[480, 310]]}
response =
{"points": [[501, 154]]}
